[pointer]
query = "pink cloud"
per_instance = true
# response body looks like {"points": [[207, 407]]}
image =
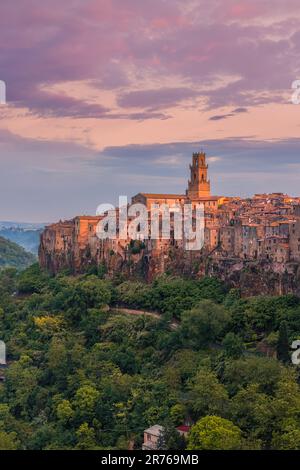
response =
{"points": [[116, 42], [155, 99]]}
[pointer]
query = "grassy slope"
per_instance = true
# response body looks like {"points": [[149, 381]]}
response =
{"points": [[13, 255]]}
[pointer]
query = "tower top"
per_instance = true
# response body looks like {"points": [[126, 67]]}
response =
{"points": [[199, 160], [199, 184]]}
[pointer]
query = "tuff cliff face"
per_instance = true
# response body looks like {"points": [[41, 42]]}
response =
{"points": [[73, 246], [258, 277], [57, 247], [252, 277]]}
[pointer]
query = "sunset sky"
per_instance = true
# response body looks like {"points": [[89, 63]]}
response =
{"points": [[109, 97]]}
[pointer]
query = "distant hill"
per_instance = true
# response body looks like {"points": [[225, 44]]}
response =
{"points": [[26, 235], [12, 255]]}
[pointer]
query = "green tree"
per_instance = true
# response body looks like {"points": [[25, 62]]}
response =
{"points": [[9, 441], [33, 279], [241, 372], [178, 413], [283, 345], [86, 400], [94, 292], [207, 395], [58, 361], [288, 438], [204, 324], [64, 411], [286, 402], [233, 345], [253, 410], [214, 433], [86, 437], [232, 297], [22, 386]]}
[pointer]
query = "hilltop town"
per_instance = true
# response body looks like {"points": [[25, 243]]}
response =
{"points": [[245, 240]]}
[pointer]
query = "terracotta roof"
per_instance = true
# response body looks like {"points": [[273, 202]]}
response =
{"points": [[88, 217], [205, 198], [183, 428], [163, 196]]}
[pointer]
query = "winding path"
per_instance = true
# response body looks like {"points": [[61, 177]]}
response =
{"points": [[129, 311]]}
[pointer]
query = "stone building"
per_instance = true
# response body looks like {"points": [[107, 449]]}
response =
{"points": [[263, 229], [198, 190], [152, 436]]}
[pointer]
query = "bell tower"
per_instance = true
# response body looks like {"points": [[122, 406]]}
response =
{"points": [[198, 185]]}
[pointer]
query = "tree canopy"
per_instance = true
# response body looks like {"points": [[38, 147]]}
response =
{"points": [[83, 374]]}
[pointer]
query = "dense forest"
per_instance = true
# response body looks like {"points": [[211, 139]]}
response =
{"points": [[81, 374], [14, 255]]}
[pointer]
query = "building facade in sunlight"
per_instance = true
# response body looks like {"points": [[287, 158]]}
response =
{"points": [[264, 229], [198, 190]]}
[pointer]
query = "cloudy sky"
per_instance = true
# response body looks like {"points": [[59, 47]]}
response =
{"points": [[109, 97]]}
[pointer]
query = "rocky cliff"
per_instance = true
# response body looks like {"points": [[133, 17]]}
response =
{"points": [[73, 246]]}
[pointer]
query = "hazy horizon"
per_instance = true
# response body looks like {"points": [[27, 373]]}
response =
{"points": [[112, 97]]}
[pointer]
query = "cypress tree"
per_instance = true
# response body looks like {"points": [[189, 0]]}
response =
{"points": [[283, 343]]}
